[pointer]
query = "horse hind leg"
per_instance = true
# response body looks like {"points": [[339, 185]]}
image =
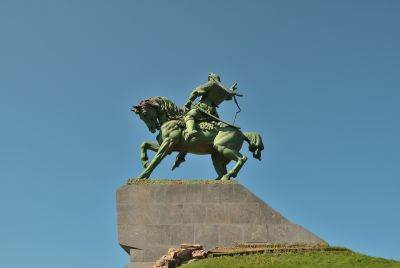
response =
{"points": [[238, 166], [220, 163], [231, 155]]}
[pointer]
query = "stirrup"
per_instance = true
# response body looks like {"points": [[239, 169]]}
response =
{"points": [[188, 135]]}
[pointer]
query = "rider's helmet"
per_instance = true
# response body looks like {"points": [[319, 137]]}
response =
{"points": [[213, 76]]}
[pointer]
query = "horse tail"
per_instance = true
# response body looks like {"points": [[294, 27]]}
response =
{"points": [[255, 143]]}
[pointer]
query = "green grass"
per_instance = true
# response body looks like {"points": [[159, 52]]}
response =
{"points": [[340, 259], [167, 181]]}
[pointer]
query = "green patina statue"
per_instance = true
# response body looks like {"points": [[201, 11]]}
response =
{"points": [[196, 129], [212, 93]]}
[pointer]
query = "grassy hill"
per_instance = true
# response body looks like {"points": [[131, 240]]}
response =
{"points": [[340, 259]]}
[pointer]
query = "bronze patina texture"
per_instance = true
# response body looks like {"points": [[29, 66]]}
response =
{"points": [[196, 129]]}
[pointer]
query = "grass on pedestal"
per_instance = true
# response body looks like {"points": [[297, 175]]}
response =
{"points": [[326, 259], [169, 181]]}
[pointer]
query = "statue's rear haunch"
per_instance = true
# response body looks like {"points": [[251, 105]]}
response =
{"points": [[197, 129]]}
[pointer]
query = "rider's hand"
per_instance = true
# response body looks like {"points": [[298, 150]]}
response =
{"points": [[187, 107]]}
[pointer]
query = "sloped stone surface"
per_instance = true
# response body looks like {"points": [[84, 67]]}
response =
{"points": [[152, 218]]}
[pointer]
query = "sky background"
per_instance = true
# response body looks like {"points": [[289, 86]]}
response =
{"points": [[320, 81]]}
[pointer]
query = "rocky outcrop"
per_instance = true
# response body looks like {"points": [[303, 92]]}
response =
{"points": [[175, 257]]}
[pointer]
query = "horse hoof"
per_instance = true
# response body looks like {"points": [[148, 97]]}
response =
{"points": [[143, 177], [225, 178]]}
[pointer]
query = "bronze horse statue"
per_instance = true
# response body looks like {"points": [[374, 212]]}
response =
{"points": [[222, 141]]}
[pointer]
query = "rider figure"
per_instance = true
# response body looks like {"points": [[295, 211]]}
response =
{"points": [[212, 93]]}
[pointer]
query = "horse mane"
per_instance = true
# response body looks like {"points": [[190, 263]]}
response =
{"points": [[171, 110]]}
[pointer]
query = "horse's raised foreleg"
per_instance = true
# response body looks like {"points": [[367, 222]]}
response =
{"points": [[165, 148], [153, 146]]}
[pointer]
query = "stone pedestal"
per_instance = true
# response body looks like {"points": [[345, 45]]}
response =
{"points": [[155, 217]]}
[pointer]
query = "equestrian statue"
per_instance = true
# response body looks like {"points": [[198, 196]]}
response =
{"points": [[196, 129]]}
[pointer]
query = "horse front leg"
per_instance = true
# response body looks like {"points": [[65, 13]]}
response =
{"points": [[165, 148], [153, 146]]}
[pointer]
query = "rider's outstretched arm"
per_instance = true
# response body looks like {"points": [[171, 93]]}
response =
{"points": [[199, 91]]}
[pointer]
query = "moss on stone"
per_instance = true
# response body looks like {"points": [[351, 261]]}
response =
{"points": [[168, 181]]}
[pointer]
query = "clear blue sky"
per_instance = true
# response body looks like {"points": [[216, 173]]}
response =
{"points": [[321, 84]]}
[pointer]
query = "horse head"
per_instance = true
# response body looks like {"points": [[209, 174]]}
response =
{"points": [[147, 111], [155, 111]]}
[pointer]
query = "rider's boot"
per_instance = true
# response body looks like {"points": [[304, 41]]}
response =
{"points": [[190, 128]]}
